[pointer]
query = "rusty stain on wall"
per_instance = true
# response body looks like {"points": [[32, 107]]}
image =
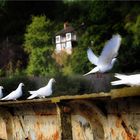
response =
{"points": [[32, 125], [87, 119], [82, 128]]}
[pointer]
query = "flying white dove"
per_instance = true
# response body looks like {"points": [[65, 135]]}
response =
{"points": [[1, 93], [107, 58], [15, 94], [131, 80], [42, 92]]}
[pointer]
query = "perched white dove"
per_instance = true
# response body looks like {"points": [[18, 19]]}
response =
{"points": [[15, 94], [1, 93], [42, 92], [131, 80], [107, 58]]}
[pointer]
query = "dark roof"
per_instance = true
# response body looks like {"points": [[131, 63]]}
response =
{"points": [[67, 30]]}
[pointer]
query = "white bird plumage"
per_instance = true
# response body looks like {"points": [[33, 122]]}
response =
{"points": [[1, 93], [15, 94], [131, 80], [107, 58], [42, 92]]}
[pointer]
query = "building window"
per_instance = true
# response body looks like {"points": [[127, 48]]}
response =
{"points": [[68, 36], [57, 39]]}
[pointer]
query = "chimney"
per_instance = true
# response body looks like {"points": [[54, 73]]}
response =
{"points": [[66, 24]]}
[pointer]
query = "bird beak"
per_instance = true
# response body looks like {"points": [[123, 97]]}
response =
{"points": [[54, 80]]}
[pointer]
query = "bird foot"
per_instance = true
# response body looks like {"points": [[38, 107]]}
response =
{"points": [[99, 75]]}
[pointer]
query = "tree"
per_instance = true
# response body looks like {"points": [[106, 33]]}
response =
{"points": [[2, 3], [102, 19], [38, 45], [41, 62], [38, 33], [131, 44]]}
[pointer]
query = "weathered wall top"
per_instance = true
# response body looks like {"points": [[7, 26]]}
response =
{"points": [[113, 94]]}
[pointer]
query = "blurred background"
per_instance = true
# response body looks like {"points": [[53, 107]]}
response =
{"points": [[28, 40]]}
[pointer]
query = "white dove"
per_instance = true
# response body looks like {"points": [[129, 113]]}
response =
{"points": [[131, 80], [42, 92], [1, 93], [15, 94], [107, 58]]}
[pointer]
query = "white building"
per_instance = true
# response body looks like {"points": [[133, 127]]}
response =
{"points": [[65, 39]]}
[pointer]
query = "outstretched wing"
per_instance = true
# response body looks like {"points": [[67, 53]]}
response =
{"points": [[92, 57], [110, 50], [121, 76]]}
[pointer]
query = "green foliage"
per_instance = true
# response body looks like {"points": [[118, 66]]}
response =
{"points": [[38, 33], [131, 45], [101, 18], [41, 62], [70, 85], [79, 62], [63, 63], [38, 45], [133, 28], [2, 3], [67, 70], [1, 73]]}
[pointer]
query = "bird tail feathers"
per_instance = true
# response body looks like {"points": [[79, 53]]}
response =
{"points": [[32, 96], [96, 69], [32, 92], [119, 82], [5, 98]]}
